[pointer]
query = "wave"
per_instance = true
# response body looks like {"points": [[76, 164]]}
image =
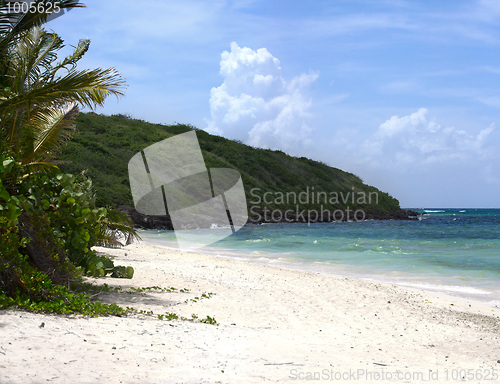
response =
{"points": [[433, 211], [257, 240], [447, 288]]}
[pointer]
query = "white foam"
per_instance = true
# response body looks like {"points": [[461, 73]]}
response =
{"points": [[257, 240], [448, 288]]}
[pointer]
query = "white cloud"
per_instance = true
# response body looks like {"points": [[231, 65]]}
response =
{"points": [[415, 138], [256, 104], [420, 160]]}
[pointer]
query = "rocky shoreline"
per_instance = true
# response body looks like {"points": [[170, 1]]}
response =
{"points": [[164, 222]]}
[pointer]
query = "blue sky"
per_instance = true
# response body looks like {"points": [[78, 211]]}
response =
{"points": [[404, 94]]}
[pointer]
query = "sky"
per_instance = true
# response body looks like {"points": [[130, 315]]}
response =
{"points": [[404, 94]]}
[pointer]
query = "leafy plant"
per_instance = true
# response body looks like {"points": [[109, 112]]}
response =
{"points": [[123, 272], [168, 316], [156, 288], [209, 320]]}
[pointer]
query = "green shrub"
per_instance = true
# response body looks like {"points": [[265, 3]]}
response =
{"points": [[48, 224]]}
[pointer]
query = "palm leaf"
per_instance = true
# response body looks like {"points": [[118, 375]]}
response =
{"points": [[32, 56], [87, 87], [14, 23], [39, 168], [80, 50], [117, 226], [51, 129]]}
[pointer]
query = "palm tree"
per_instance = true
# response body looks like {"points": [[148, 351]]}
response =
{"points": [[40, 97]]}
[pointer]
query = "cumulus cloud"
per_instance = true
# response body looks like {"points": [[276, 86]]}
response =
{"points": [[421, 160], [416, 138], [256, 104]]}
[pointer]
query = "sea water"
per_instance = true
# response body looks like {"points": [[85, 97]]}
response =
{"points": [[456, 251]]}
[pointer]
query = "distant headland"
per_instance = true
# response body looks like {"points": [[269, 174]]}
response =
{"points": [[278, 187]]}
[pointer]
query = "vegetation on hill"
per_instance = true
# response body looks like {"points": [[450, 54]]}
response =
{"points": [[103, 145]]}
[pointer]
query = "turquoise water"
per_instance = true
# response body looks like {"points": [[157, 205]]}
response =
{"points": [[452, 250]]}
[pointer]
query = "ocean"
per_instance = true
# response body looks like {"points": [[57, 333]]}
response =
{"points": [[456, 251]]}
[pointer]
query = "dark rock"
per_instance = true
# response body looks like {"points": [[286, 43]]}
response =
{"points": [[259, 216], [143, 221], [401, 214]]}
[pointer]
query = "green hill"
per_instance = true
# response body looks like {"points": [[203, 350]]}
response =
{"points": [[273, 180]]}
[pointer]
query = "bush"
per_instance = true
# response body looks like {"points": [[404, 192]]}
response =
{"points": [[48, 224]]}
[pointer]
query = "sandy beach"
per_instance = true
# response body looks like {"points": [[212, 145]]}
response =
{"points": [[274, 325]]}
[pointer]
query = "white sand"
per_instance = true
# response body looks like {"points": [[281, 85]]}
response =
{"points": [[275, 325]]}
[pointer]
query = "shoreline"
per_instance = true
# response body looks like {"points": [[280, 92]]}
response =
{"points": [[402, 279], [275, 325], [484, 306]]}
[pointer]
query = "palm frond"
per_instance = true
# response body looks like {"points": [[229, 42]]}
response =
{"points": [[115, 228], [33, 56], [15, 24], [18, 22], [46, 52], [39, 168], [90, 88], [80, 50], [51, 129]]}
